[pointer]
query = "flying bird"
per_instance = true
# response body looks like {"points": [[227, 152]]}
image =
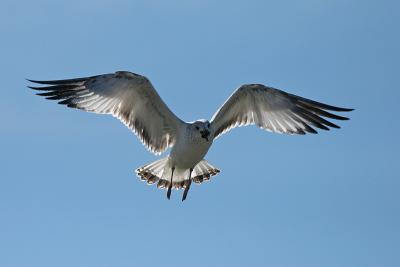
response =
{"points": [[133, 100]]}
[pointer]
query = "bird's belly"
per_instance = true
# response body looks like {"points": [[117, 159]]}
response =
{"points": [[188, 156]]}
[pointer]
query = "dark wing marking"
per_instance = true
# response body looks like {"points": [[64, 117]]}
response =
{"points": [[273, 110], [129, 97]]}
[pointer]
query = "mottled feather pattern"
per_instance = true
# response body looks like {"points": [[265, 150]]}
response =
{"points": [[157, 172], [150, 178]]}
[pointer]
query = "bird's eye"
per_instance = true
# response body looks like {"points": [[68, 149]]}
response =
{"points": [[197, 128]]}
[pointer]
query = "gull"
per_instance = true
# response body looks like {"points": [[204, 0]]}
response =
{"points": [[133, 100]]}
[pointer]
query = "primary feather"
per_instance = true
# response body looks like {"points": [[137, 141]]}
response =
{"points": [[125, 95], [273, 110], [133, 100]]}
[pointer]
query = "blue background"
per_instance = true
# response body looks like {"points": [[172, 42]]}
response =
{"points": [[68, 194]]}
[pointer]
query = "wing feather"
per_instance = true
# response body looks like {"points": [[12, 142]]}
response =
{"points": [[273, 110], [127, 96]]}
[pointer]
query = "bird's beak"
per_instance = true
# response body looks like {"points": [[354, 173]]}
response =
{"points": [[205, 134]]}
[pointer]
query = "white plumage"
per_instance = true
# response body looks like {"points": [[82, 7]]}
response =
{"points": [[132, 99]]}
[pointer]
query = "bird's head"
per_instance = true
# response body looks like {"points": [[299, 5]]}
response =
{"points": [[203, 127]]}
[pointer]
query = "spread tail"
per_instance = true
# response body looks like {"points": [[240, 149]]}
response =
{"points": [[160, 172], [203, 171]]}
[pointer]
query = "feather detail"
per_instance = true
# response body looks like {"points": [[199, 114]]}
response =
{"points": [[273, 110], [127, 96]]}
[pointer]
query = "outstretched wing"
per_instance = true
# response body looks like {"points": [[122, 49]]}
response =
{"points": [[128, 96], [273, 110]]}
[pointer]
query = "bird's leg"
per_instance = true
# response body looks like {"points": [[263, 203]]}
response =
{"points": [[170, 185], [188, 185]]}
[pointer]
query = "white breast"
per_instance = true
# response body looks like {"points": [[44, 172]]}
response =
{"points": [[189, 149]]}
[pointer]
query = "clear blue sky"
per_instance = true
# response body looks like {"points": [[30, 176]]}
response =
{"points": [[68, 194]]}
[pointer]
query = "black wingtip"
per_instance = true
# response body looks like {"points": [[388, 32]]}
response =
{"points": [[317, 104], [339, 109], [39, 82], [32, 81], [309, 129], [345, 109], [61, 82]]}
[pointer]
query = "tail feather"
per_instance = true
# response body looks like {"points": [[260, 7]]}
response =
{"points": [[160, 172], [152, 172], [203, 172]]}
